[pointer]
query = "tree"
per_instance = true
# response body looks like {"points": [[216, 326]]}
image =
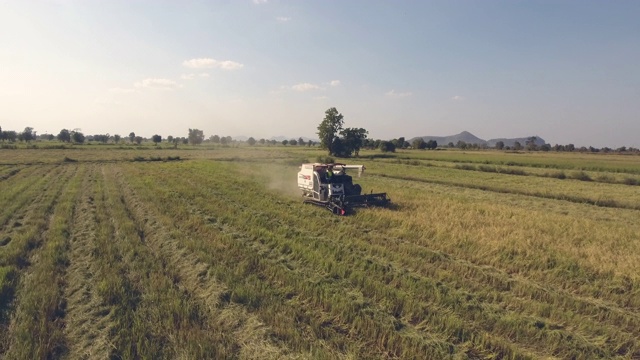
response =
{"points": [[262, 141], [285, 142], [432, 144], [531, 143], [387, 146], [301, 141], [170, 139], [101, 138], [9, 135], [156, 139], [138, 140], [77, 137], [419, 143], [64, 136], [28, 134], [196, 137], [116, 138], [353, 139], [400, 142], [500, 145], [251, 141], [461, 144], [293, 142], [223, 140], [517, 146], [215, 139], [329, 127], [132, 136]]}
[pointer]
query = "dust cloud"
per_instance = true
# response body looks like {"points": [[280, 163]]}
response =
{"points": [[284, 180]]}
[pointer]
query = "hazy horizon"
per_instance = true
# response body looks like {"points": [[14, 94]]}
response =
{"points": [[564, 71]]}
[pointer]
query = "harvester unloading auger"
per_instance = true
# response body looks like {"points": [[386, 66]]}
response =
{"points": [[328, 185]]}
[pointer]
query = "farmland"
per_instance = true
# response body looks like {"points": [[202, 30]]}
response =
{"points": [[209, 253]]}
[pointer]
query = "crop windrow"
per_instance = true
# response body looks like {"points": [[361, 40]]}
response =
{"points": [[19, 253], [88, 321], [37, 325], [234, 330]]}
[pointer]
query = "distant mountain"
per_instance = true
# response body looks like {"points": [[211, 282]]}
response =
{"points": [[469, 138]]}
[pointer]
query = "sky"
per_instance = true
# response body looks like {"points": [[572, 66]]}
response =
{"points": [[566, 71]]}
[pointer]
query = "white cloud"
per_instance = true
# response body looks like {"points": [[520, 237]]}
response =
{"points": [[395, 94], [118, 90], [258, 2], [164, 84], [283, 19], [207, 63], [335, 83], [305, 87], [205, 75], [457, 98]]}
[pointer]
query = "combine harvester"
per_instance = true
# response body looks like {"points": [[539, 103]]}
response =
{"points": [[328, 185]]}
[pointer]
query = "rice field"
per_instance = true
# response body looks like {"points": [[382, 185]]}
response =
{"points": [[209, 253]]}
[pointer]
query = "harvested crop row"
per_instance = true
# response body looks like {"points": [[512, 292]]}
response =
{"points": [[238, 267], [8, 171], [153, 316], [22, 189], [87, 321], [37, 323], [16, 256], [230, 326]]}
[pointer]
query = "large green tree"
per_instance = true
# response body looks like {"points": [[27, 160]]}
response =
{"points": [[353, 139], [64, 135], [329, 128]]}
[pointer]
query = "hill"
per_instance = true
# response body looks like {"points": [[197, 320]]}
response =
{"points": [[469, 138]]}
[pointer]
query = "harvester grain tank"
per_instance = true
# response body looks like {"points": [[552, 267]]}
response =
{"points": [[328, 185]]}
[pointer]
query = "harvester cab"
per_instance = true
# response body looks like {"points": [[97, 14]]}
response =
{"points": [[330, 186]]}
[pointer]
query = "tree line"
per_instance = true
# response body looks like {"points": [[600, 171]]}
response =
{"points": [[337, 140]]}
